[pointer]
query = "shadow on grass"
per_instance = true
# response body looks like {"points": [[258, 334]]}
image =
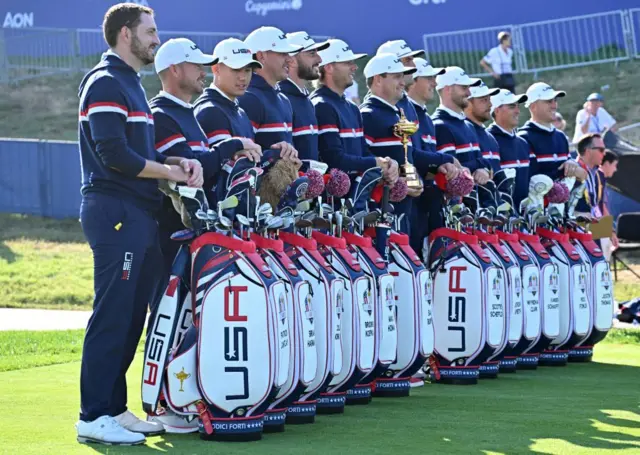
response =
{"points": [[15, 227], [7, 253], [576, 409]]}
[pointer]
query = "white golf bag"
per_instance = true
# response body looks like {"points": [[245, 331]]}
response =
{"points": [[303, 363], [357, 315], [573, 297], [327, 302], [508, 293], [385, 330], [414, 296], [529, 290], [600, 290], [468, 316]]}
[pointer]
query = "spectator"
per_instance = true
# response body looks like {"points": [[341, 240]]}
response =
{"points": [[608, 167], [593, 118], [351, 93], [559, 122], [499, 63]]}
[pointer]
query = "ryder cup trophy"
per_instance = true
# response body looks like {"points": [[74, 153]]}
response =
{"points": [[404, 129]]}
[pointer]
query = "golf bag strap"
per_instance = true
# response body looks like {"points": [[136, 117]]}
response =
{"points": [[399, 238], [299, 241], [357, 240], [268, 244], [224, 241], [492, 239], [486, 237], [586, 239], [582, 236], [507, 236], [329, 240], [534, 242], [453, 235], [563, 241]]}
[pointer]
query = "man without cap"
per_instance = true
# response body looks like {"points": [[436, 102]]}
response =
{"points": [[478, 111], [120, 196], [548, 147], [303, 68], [180, 66], [499, 63], [217, 109], [269, 109], [453, 135], [593, 117], [341, 142], [514, 151], [386, 80]]}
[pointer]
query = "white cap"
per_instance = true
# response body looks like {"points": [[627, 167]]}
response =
{"points": [[269, 39], [235, 54], [425, 69], [541, 91], [337, 52], [480, 91], [386, 63], [454, 75], [307, 43], [181, 50], [398, 47], [506, 97]]}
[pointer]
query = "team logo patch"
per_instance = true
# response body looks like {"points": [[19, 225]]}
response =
{"points": [[495, 286], [533, 284], [427, 291], [553, 283], [308, 308], [582, 282], [388, 294], [367, 305], [339, 303], [182, 376], [605, 278], [282, 308], [517, 285], [302, 190]]}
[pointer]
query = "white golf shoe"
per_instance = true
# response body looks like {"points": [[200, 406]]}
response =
{"points": [[129, 421], [174, 423], [107, 430]]}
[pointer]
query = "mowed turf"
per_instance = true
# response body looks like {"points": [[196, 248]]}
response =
{"points": [[579, 409]]}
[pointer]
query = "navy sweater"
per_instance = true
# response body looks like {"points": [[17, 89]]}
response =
{"points": [[488, 145], [427, 130], [341, 142], [305, 124], [514, 154], [455, 137], [269, 111], [220, 118], [116, 134], [548, 149]]}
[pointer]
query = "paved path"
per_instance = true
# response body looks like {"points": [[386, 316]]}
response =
{"points": [[21, 319]]}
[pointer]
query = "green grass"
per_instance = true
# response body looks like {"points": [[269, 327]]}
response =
{"points": [[581, 409]]}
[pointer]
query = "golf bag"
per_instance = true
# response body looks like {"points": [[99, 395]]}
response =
{"points": [[508, 293], [468, 330], [547, 287], [414, 295], [327, 300], [572, 294], [357, 316], [600, 290], [529, 290], [302, 350]]}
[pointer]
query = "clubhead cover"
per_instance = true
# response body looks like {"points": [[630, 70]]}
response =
{"points": [[276, 181], [295, 192], [539, 186], [362, 186], [308, 165]]}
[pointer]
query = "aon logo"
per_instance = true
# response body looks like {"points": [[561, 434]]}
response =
{"points": [[18, 20]]}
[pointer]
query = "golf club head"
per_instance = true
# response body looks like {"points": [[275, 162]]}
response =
{"points": [[243, 220], [303, 224]]}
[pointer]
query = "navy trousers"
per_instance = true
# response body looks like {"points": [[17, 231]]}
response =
{"points": [[127, 264], [426, 217]]}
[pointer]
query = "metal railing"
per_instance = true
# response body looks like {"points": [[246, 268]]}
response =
{"points": [[545, 45]]}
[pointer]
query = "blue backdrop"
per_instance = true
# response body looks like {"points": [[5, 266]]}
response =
{"points": [[364, 24]]}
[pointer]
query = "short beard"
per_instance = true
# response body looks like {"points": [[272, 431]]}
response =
{"points": [[306, 73], [145, 56]]}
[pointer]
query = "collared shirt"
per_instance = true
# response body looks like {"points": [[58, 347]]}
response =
{"points": [[452, 113], [220, 117], [501, 60], [305, 123]]}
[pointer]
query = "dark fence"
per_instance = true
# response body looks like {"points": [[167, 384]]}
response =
{"points": [[39, 177]]}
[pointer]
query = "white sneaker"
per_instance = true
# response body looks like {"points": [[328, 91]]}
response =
{"points": [[174, 423], [129, 421], [107, 430]]}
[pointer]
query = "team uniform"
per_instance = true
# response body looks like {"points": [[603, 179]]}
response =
{"points": [[269, 111], [116, 135], [489, 147], [221, 118], [457, 138], [305, 124], [514, 154], [177, 133], [548, 148]]}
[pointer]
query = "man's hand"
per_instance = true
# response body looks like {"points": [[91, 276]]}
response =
{"points": [[251, 150], [450, 170], [287, 151], [414, 192], [481, 176], [176, 173], [614, 241], [573, 169], [193, 169]]}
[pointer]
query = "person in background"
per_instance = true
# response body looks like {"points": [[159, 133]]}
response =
{"points": [[499, 63], [352, 94], [593, 118], [559, 122], [608, 167]]}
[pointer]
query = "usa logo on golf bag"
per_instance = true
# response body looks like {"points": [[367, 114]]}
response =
{"points": [[532, 287]]}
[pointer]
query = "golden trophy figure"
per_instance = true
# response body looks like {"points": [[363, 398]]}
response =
{"points": [[404, 129]]}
